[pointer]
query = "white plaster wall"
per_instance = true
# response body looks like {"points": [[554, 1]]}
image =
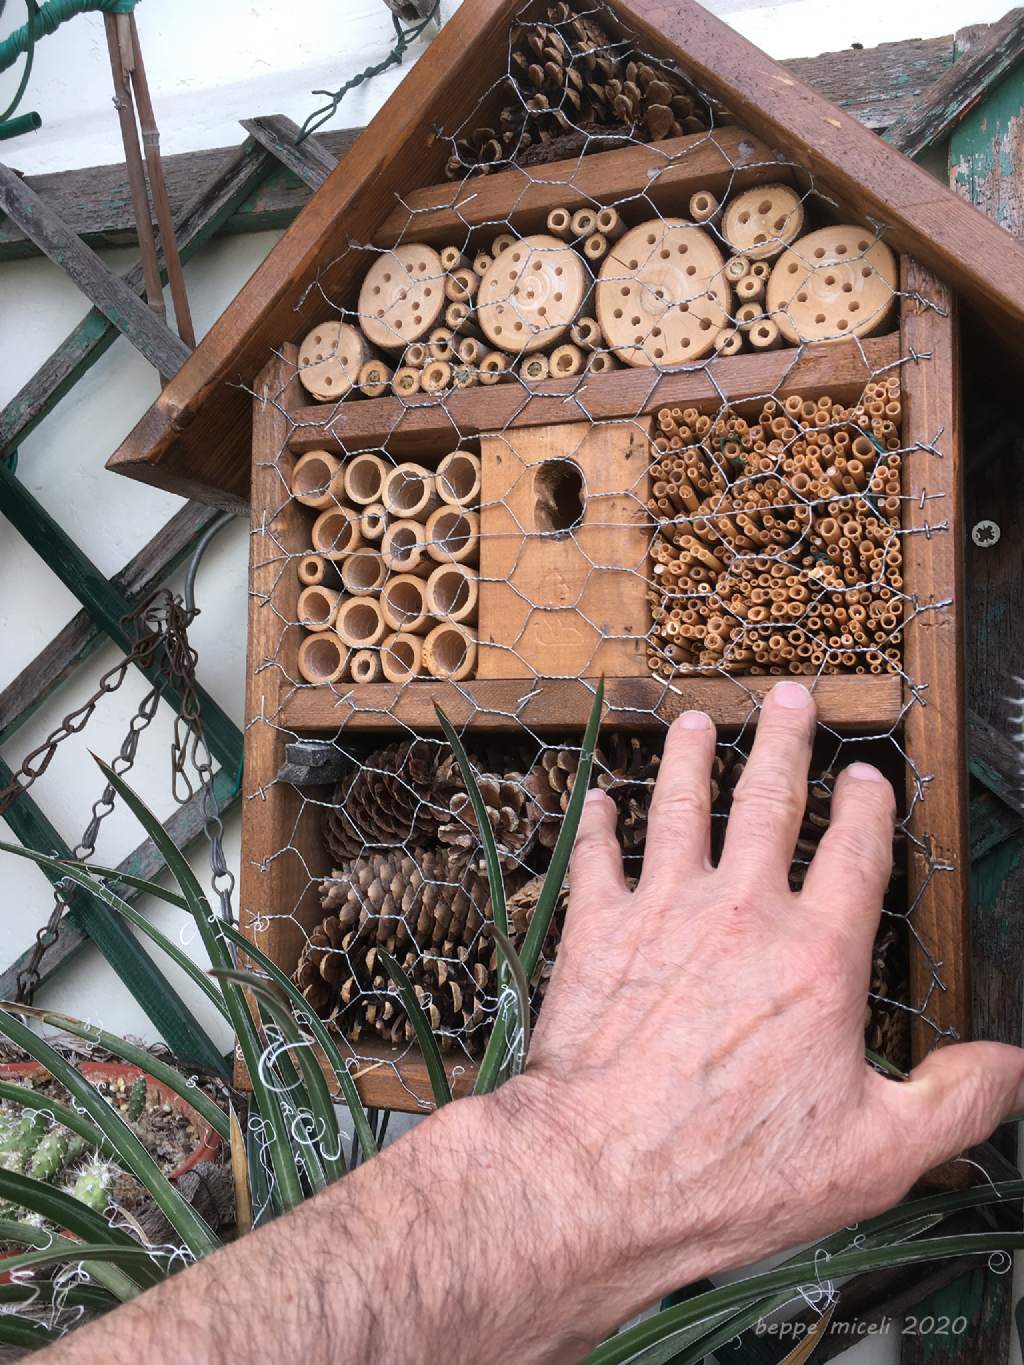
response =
{"points": [[209, 66]]}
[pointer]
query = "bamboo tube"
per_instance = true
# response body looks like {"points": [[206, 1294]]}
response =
{"points": [[440, 344], [365, 666], [559, 223], [502, 243], [750, 289], [609, 223], [449, 651], [586, 333], [364, 479], [494, 366], [410, 492], [566, 361], [595, 247], [582, 223], [762, 269], [451, 258], [401, 656], [458, 478], [601, 362], [403, 604], [729, 341], [336, 532], [359, 622], [323, 658], [451, 593], [482, 262], [436, 377], [405, 382], [535, 368], [363, 572], [373, 379], [736, 267], [452, 535], [374, 521], [464, 376], [461, 285], [703, 206], [747, 315], [404, 547], [317, 607], [764, 335], [314, 570], [312, 478], [459, 318], [470, 351]]}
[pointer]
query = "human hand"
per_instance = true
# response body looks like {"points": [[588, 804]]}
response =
{"points": [[697, 1079]]}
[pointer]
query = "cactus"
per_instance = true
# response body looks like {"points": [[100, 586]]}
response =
{"points": [[21, 1141], [137, 1101], [50, 1155], [94, 1183]]}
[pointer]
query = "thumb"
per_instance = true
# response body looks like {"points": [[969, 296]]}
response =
{"points": [[595, 870], [958, 1096]]}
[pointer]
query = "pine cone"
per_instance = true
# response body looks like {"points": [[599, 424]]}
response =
{"points": [[430, 910], [515, 817], [886, 1023], [398, 795]]}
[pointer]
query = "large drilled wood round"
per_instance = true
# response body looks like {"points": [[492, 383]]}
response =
{"points": [[662, 294], [402, 295], [330, 358], [834, 283], [761, 222], [530, 294]]}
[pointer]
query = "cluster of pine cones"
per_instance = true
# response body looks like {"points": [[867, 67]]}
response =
{"points": [[568, 78], [409, 877]]}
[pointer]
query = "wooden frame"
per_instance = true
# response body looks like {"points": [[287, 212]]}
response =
{"points": [[194, 446], [283, 852]]}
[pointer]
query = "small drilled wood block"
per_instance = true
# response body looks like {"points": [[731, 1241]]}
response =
{"points": [[833, 283], [761, 222], [402, 296], [530, 294], [662, 294], [564, 536], [330, 358]]}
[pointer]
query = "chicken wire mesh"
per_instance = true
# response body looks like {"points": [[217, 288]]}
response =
{"points": [[516, 460]]}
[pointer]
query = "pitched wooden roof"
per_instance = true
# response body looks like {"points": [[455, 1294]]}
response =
{"points": [[195, 438]]}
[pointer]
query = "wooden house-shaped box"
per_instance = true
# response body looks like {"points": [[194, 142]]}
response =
{"points": [[609, 351]]}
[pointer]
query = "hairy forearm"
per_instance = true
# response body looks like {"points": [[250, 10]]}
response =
{"points": [[442, 1248]]}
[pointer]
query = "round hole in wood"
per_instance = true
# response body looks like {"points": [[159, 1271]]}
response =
{"points": [[558, 493]]}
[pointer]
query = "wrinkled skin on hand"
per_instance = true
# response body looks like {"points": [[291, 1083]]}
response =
{"points": [[700, 1052]]}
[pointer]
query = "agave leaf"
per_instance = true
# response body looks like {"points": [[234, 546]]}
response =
{"points": [[26, 1333], [131, 1154], [137, 1056], [287, 1187], [113, 874], [314, 1093], [110, 1277], [240, 1177], [60, 1249], [421, 1027], [811, 1341], [30, 1292]]}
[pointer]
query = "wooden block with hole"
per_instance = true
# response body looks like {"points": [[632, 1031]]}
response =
{"points": [[564, 536]]}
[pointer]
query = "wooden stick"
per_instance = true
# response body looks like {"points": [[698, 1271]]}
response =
{"points": [[495, 366], [595, 247], [449, 651], [323, 658], [586, 333]]}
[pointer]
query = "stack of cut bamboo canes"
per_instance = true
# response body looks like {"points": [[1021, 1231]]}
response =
{"points": [[390, 584], [778, 547]]}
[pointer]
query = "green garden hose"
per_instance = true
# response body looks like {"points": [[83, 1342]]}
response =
{"points": [[48, 17]]}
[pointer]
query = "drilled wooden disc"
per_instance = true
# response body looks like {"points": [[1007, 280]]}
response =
{"points": [[761, 222], [662, 294], [530, 294], [402, 295], [330, 358], [833, 283]]}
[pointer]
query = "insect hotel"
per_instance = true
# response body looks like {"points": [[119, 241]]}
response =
{"points": [[609, 352]]}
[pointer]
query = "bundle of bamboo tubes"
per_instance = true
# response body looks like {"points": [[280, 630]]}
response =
{"points": [[389, 587], [778, 543]]}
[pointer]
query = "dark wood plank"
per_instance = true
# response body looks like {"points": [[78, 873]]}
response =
{"points": [[276, 133], [108, 291], [995, 760], [200, 217], [924, 218], [171, 545], [941, 108], [933, 654], [877, 85], [550, 705], [840, 368], [986, 148]]}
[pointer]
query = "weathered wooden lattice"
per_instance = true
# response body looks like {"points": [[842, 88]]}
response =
{"points": [[677, 526]]}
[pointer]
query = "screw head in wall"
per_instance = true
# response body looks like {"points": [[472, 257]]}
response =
{"points": [[986, 534]]}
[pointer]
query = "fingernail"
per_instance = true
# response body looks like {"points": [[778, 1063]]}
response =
{"points": [[864, 772], [693, 720], [594, 794], [791, 695]]}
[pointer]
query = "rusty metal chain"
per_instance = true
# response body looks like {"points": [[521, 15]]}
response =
{"points": [[160, 625]]}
